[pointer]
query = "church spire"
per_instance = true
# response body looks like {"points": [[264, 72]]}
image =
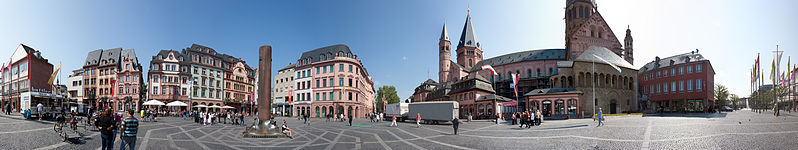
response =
{"points": [[444, 33], [468, 37]]}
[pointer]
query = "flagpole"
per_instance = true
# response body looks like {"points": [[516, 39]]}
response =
{"points": [[594, 87]]}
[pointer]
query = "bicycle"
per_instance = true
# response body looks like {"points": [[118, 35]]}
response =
{"points": [[59, 125]]}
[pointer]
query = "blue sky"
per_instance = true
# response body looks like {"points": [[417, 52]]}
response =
{"points": [[396, 40]]}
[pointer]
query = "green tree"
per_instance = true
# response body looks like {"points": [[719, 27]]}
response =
{"points": [[721, 96], [386, 95], [734, 100]]}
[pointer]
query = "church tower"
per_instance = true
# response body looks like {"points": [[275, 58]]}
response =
{"points": [[444, 54], [469, 51], [627, 47], [577, 13]]}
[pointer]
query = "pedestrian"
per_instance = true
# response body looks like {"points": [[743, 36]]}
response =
{"points": [[350, 120], [600, 118], [328, 117], [514, 119], [418, 120], [106, 127], [393, 123], [455, 125], [538, 117], [531, 119], [241, 118], [130, 127], [40, 111], [522, 120]]}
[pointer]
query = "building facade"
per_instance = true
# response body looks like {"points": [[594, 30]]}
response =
{"points": [[678, 83], [25, 80], [75, 86], [585, 27], [283, 90], [112, 79], [332, 80], [199, 75]]}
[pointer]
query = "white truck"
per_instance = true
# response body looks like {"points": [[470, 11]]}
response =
{"points": [[396, 109], [434, 112]]}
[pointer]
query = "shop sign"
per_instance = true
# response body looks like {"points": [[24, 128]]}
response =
{"points": [[24, 101], [695, 100]]}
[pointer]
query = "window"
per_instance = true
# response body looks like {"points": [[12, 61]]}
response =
{"points": [[665, 89], [324, 96], [304, 74], [689, 85], [331, 82], [155, 90], [340, 81], [659, 88], [318, 70], [698, 68], [332, 69], [350, 82], [324, 69], [155, 79], [673, 71], [681, 86], [317, 96], [350, 68], [659, 74], [538, 72], [689, 69], [698, 84], [331, 95], [324, 82], [298, 75], [681, 70], [317, 86], [673, 87], [350, 96], [341, 67]]}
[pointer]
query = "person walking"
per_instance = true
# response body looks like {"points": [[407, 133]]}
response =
{"points": [[522, 120], [531, 119], [600, 118], [418, 120], [538, 117], [106, 126], [350, 120], [455, 125], [241, 118], [40, 109], [514, 119], [130, 127], [393, 123]]}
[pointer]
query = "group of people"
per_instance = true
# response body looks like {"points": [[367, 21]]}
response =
{"points": [[110, 123], [210, 118], [375, 117], [7, 108], [528, 118]]}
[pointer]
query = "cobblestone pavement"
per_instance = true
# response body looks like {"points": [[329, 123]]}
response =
{"points": [[737, 130]]}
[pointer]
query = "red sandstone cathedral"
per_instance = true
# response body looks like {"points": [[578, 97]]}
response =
{"points": [[483, 95]]}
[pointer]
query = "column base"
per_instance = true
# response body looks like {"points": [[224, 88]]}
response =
{"points": [[264, 129]]}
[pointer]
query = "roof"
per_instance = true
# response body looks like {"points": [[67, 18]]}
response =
{"points": [[93, 58], [290, 65], [469, 36], [493, 97], [604, 53], [110, 56], [529, 55], [692, 56], [480, 83], [130, 54], [552, 91], [328, 52], [444, 33]]}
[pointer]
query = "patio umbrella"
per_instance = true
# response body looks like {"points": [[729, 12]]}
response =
{"points": [[201, 106], [215, 106], [227, 107], [154, 102], [177, 103]]}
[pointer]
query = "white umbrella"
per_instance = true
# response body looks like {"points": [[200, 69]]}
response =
{"points": [[227, 107], [177, 103], [215, 106], [154, 102], [200, 105]]}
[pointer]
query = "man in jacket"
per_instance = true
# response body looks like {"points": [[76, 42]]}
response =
{"points": [[455, 125], [106, 126]]}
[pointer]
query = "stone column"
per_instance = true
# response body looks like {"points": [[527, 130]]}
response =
{"points": [[264, 127]]}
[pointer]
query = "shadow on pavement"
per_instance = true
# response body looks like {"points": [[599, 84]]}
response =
{"points": [[694, 115]]}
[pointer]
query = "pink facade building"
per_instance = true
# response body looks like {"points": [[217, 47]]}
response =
{"points": [[332, 81]]}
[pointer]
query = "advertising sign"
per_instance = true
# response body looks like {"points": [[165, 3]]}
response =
{"points": [[24, 102]]}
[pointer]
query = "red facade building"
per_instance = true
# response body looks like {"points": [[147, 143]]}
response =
{"points": [[678, 83]]}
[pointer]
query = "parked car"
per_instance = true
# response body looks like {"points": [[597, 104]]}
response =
{"points": [[726, 108]]}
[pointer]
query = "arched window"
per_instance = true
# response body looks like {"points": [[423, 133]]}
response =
{"points": [[529, 73], [538, 72], [470, 63]]}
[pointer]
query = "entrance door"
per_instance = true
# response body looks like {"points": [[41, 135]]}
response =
{"points": [[612, 107], [546, 110]]}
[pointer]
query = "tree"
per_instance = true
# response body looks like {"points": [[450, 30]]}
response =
{"points": [[734, 99], [386, 95], [721, 96]]}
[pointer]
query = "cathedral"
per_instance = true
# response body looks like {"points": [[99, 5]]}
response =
{"points": [[541, 75]]}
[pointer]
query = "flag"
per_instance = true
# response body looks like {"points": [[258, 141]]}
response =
{"points": [[613, 65], [291, 95], [514, 86], [773, 70], [190, 88], [52, 76], [113, 82], [493, 72]]}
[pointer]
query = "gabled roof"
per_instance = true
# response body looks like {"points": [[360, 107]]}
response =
{"points": [[673, 61], [110, 56], [529, 55], [468, 37], [93, 58], [480, 83], [604, 53], [290, 65], [131, 55], [552, 91], [329, 52]]}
